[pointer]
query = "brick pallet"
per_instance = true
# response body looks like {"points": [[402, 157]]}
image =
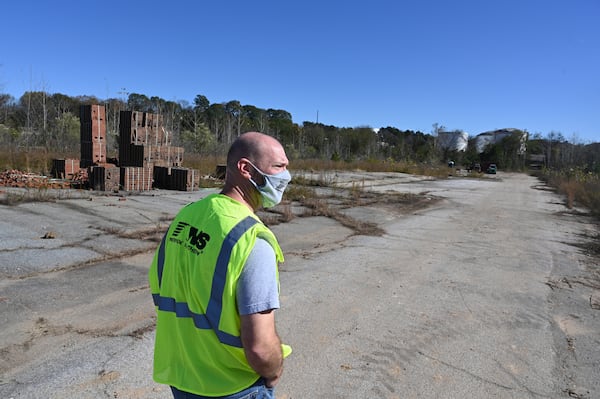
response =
{"points": [[181, 179], [143, 141], [130, 154], [92, 134], [145, 145], [143, 128], [136, 178], [64, 168], [185, 179], [161, 176], [163, 155], [104, 178]]}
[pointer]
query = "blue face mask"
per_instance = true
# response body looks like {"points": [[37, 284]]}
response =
{"points": [[272, 191]]}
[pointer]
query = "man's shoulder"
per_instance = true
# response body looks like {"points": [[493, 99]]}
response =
{"points": [[212, 202], [215, 207]]}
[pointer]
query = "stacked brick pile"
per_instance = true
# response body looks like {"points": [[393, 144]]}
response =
{"points": [[146, 157], [138, 133], [146, 152], [143, 141], [101, 175], [93, 135]]}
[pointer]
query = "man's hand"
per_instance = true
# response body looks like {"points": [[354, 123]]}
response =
{"points": [[271, 382]]}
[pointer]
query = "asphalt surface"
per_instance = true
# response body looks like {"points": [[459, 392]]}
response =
{"points": [[485, 291]]}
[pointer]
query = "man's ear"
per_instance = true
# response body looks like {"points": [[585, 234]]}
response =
{"points": [[245, 168]]}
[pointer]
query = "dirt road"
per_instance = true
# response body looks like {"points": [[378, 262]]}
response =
{"points": [[481, 294]]}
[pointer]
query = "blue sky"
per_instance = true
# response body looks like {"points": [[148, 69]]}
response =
{"points": [[470, 65]]}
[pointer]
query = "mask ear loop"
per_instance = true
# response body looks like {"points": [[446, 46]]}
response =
{"points": [[260, 173]]}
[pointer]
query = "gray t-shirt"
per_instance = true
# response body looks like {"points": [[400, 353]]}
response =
{"points": [[257, 288]]}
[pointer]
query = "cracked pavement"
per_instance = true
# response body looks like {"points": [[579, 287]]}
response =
{"points": [[482, 293]]}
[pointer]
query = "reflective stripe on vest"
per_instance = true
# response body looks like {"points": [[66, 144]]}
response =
{"points": [[212, 318], [161, 257]]}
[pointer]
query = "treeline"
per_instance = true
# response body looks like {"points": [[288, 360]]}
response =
{"points": [[552, 152], [39, 120]]}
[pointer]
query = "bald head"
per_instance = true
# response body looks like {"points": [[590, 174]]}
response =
{"points": [[254, 146], [252, 156]]}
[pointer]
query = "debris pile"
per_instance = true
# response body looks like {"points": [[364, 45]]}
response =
{"points": [[17, 178], [80, 178]]}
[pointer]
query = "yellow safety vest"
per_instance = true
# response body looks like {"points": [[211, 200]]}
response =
{"points": [[193, 281]]}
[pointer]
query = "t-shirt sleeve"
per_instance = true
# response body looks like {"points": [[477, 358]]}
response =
{"points": [[258, 289]]}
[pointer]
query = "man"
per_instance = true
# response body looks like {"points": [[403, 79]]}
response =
{"points": [[215, 283]]}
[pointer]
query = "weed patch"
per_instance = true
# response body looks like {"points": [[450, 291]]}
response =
{"points": [[298, 192], [19, 196], [320, 207], [331, 205], [580, 188]]}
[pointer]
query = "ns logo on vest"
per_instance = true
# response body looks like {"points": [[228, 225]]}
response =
{"points": [[196, 239]]}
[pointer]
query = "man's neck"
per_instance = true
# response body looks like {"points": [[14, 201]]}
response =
{"points": [[237, 194]]}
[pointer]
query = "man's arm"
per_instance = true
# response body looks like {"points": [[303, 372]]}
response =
{"points": [[262, 345]]}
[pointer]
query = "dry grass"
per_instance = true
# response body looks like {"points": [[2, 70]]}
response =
{"points": [[569, 188], [22, 196], [34, 160], [324, 178], [205, 164], [357, 190], [589, 195], [331, 203], [298, 192], [313, 165], [19, 196], [579, 188], [302, 192], [321, 207], [38, 160]]}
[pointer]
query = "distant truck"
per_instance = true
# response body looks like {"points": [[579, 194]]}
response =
{"points": [[491, 169], [475, 166]]}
